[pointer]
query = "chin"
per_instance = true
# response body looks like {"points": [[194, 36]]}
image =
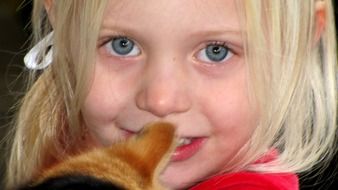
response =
{"points": [[176, 185], [177, 180]]}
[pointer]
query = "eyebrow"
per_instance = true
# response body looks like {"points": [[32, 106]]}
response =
{"points": [[205, 33], [126, 29]]}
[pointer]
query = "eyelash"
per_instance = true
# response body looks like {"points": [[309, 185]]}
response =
{"points": [[221, 44], [213, 47], [218, 43], [109, 42], [107, 39]]}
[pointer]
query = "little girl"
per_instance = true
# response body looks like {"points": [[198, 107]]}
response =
{"points": [[250, 86]]}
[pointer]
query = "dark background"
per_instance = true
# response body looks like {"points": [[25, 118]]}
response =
{"points": [[14, 35]]}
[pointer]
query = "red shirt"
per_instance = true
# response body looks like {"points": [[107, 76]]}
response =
{"points": [[250, 181]]}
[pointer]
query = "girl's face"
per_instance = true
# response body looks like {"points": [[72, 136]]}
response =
{"points": [[176, 61]]}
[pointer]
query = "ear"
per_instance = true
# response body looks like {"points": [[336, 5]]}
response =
{"points": [[154, 145], [49, 4], [320, 13]]}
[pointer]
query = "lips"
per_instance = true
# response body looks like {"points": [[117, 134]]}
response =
{"points": [[127, 133], [187, 147]]}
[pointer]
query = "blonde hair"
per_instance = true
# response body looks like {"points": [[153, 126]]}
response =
{"points": [[292, 80], [47, 126]]}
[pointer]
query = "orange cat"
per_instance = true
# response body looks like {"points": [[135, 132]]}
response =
{"points": [[131, 165]]}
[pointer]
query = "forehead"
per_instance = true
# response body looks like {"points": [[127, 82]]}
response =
{"points": [[182, 15]]}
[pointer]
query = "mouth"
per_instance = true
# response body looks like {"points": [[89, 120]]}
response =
{"points": [[187, 147], [128, 133]]}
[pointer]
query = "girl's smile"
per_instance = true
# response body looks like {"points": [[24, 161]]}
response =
{"points": [[187, 148], [186, 69]]}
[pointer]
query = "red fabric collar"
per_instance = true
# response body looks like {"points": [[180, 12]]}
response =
{"points": [[252, 180]]}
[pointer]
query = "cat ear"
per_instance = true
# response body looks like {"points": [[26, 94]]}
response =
{"points": [[155, 144]]}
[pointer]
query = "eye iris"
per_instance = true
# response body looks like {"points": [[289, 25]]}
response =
{"points": [[216, 52], [122, 46]]}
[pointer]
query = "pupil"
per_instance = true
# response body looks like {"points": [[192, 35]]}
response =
{"points": [[124, 43], [216, 50], [122, 46], [216, 53]]}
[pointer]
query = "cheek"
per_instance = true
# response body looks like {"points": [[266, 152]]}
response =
{"points": [[233, 115], [230, 111], [104, 102], [233, 120]]}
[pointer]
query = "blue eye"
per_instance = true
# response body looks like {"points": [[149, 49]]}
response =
{"points": [[215, 53], [122, 47]]}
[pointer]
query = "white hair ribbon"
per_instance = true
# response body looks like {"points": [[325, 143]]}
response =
{"points": [[41, 55]]}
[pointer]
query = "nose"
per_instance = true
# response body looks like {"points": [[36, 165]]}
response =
{"points": [[163, 90]]}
